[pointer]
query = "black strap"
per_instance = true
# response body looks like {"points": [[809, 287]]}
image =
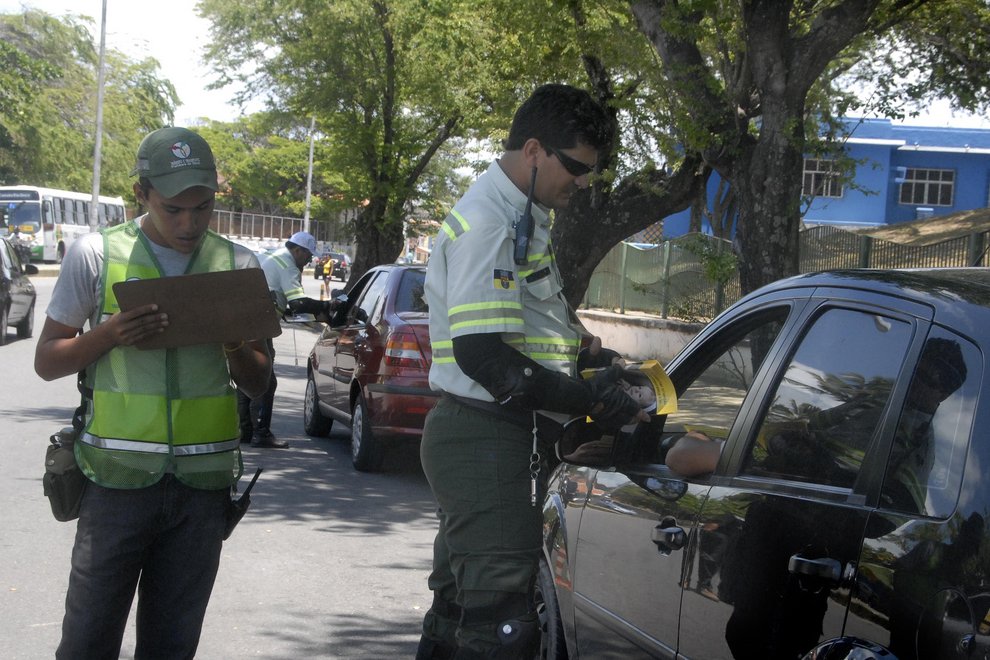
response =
{"points": [[445, 608], [511, 605], [86, 393]]}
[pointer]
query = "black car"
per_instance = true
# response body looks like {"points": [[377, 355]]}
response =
{"points": [[17, 294], [847, 513], [341, 266]]}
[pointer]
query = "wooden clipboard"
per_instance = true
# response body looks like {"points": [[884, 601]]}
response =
{"points": [[206, 308]]}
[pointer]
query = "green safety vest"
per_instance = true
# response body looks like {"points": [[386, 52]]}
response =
{"points": [[158, 411]]}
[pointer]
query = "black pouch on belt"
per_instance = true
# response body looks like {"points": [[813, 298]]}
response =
{"points": [[64, 482]]}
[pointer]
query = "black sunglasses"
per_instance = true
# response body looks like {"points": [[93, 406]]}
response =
{"points": [[572, 165]]}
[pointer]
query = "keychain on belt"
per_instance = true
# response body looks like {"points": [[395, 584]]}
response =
{"points": [[534, 466]]}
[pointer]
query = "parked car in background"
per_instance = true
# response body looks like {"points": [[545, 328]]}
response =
{"points": [[341, 266], [17, 295], [847, 513], [369, 369]]}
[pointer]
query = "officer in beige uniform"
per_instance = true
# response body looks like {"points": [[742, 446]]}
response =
{"points": [[505, 345]]}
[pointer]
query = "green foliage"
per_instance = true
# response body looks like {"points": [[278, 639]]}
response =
{"points": [[717, 258], [48, 120], [938, 50]]}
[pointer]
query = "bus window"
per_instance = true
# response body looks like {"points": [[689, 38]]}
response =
{"points": [[68, 211], [47, 211], [82, 212]]}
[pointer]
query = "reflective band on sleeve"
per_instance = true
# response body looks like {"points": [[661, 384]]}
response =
{"points": [[480, 314], [443, 351], [455, 229]]}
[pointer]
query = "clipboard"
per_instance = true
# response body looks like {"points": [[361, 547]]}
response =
{"points": [[205, 308]]}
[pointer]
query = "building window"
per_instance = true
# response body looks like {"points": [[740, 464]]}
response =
{"points": [[928, 187], [821, 178]]}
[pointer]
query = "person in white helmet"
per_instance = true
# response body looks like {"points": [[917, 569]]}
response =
{"points": [[283, 270]]}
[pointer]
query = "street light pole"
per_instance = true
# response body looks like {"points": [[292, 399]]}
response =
{"points": [[309, 174], [94, 207]]}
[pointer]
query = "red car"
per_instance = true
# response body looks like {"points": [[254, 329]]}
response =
{"points": [[370, 370]]}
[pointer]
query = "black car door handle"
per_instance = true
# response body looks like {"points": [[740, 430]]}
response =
{"points": [[825, 567], [668, 537]]}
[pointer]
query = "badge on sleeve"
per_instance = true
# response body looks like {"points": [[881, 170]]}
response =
{"points": [[504, 279]]}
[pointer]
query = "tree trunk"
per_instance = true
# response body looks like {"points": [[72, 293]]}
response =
{"points": [[637, 202], [376, 241], [767, 183]]}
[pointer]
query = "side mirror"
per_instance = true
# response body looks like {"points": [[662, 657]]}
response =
{"points": [[30, 269]]}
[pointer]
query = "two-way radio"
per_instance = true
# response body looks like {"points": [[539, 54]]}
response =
{"points": [[524, 227]]}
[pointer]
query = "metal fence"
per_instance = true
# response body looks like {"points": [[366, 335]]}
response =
{"points": [[668, 279], [671, 280], [262, 231], [255, 225]]}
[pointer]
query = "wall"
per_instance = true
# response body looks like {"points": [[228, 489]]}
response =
{"points": [[639, 337]]}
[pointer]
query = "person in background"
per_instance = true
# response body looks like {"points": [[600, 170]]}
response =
{"points": [[160, 446], [283, 271], [505, 345]]}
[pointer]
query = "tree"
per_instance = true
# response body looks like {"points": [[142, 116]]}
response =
{"points": [[50, 130], [388, 93], [742, 75]]}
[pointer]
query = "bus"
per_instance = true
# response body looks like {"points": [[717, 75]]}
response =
{"points": [[48, 220]]}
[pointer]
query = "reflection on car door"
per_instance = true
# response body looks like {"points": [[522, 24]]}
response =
{"points": [[640, 518], [354, 339], [767, 573]]}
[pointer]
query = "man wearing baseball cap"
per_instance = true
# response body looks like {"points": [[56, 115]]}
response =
{"points": [[159, 446], [283, 270]]}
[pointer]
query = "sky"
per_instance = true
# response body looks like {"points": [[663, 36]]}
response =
{"points": [[171, 32]]}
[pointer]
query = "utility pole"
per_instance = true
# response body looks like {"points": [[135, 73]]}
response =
{"points": [[309, 174], [94, 207]]}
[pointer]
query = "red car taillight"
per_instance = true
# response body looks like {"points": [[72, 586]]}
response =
{"points": [[402, 350]]}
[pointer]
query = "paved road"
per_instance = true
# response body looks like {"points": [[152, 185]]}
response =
{"points": [[328, 562]]}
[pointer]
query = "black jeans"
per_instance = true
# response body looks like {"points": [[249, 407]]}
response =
{"points": [[164, 542], [258, 420]]}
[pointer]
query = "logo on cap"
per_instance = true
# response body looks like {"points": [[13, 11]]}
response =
{"points": [[181, 150]]}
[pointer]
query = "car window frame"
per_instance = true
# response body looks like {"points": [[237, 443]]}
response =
{"points": [[886, 444], [865, 490], [814, 313], [369, 288], [691, 362]]}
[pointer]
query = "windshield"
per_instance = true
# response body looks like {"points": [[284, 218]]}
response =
{"points": [[20, 216]]}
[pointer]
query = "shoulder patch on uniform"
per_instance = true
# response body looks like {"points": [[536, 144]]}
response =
{"points": [[504, 279]]}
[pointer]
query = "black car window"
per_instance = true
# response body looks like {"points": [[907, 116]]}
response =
{"points": [[411, 296], [6, 260], [370, 300], [932, 433], [712, 400], [827, 407]]}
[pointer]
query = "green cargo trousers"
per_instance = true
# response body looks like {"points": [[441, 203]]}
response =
{"points": [[487, 549]]}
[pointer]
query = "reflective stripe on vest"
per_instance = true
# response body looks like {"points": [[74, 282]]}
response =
{"points": [[157, 410]]}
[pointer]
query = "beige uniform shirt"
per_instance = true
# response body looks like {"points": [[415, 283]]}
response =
{"points": [[284, 277], [474, 286]]}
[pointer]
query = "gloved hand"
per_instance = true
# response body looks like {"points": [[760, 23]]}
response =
{"points": [[611, 407]]}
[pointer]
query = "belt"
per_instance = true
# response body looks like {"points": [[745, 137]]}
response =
{"points": [[510, 412], [549, 430]]}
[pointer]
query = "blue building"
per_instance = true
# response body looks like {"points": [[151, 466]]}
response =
{"points": [[902, 173]]}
